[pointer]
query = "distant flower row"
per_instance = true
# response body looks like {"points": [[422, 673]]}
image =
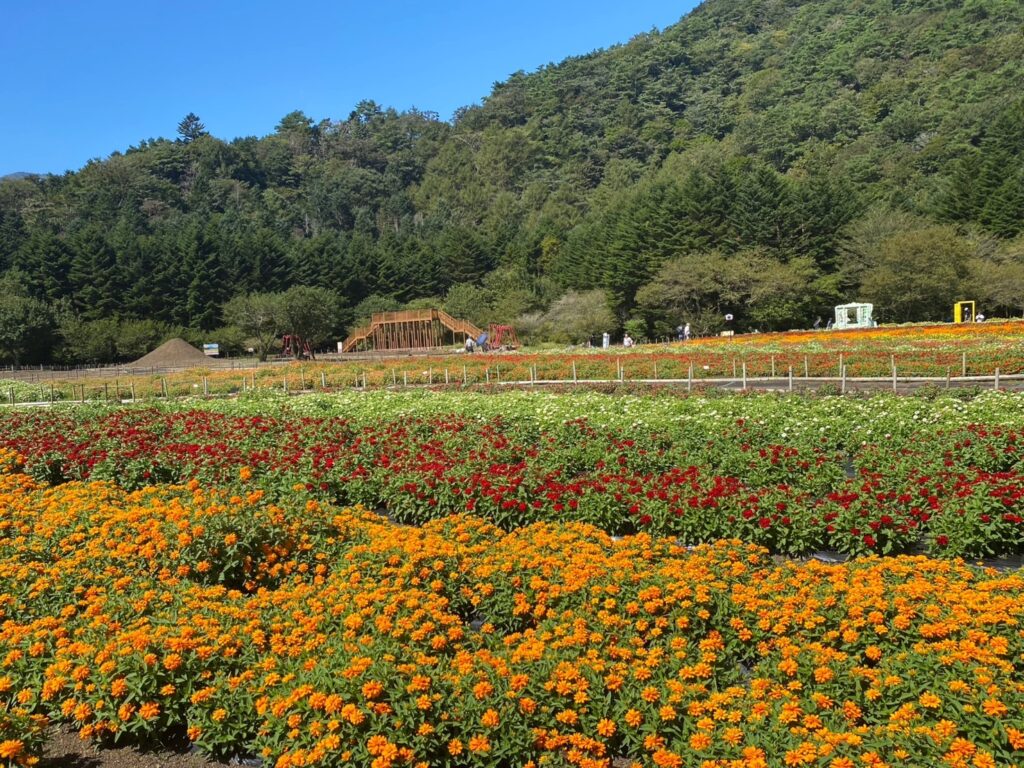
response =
{"points": [[935, 351]]}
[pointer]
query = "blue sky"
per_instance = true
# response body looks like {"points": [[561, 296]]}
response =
{"points": [[80, 79]]}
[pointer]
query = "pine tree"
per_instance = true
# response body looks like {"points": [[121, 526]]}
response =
{"points": [[45, 260], [203, 277], [707, 199], [1003, 213], [764, 209], [191, 128], [93, 275]]}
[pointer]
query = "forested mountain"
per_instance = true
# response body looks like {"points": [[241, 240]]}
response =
{"points": [[767, 158]]}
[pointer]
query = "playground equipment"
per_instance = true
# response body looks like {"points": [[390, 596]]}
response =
{"points": [[503, 336], [296, 346], [854, 316], [410, 329], [963, 312]]}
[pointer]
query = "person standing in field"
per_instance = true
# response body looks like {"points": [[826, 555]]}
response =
{"points": [[686, 332]]}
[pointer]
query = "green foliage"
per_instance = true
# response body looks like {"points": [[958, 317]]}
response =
{"points": [[374, 303], [917, 274], [576, 317], [313, 314], [89, 341], [469, 302], [998, 278], [260, 316], [26, 324]]}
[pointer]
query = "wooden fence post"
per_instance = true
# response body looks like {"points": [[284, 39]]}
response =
{"points": [[744, 375], [791, 378]]}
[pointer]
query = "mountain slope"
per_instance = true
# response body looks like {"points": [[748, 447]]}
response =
{"points": [[796, 142]]}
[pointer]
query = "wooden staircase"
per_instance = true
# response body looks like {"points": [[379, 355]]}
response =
{"points": [[458, 326], [410, 329]]}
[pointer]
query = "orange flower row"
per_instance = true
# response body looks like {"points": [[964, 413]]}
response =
{"points": [[316, 637]]}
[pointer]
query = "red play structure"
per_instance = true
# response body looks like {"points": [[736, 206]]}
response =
{"points": [[297, 347]]}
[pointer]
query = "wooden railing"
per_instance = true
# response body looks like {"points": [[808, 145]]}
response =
{"points": [[459, 326]]}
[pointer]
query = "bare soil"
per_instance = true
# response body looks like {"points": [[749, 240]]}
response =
{"points": [[66, 750], [176, 353]]}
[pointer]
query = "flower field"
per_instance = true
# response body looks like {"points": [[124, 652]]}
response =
{"points": [[564, 581], [916, 351], [795, 475]]}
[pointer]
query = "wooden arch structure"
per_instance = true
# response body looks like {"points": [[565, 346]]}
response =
{"points": [[410, 329]]}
